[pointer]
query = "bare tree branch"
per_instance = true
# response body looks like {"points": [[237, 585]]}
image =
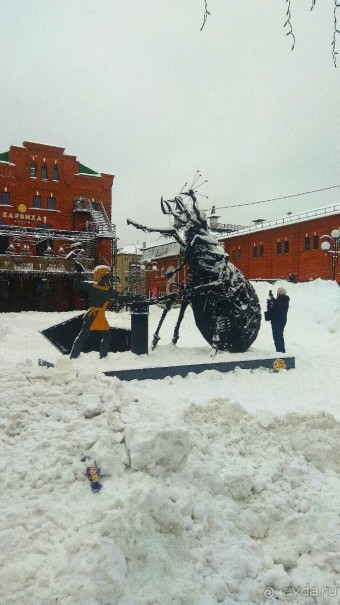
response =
{"points": [[206, 13], [289, 27], [288, 24], [336, 31]]}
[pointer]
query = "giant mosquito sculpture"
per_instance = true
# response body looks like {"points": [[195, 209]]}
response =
{"points": [[225, 305]]}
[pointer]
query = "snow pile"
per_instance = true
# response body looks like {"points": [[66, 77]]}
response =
{"points": [[156, 445], [216, 488]]}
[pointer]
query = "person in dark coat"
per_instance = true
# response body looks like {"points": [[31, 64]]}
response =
{"points": [[278, 310]]}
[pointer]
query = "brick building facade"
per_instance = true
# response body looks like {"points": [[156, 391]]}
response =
{"points": [[50, 204], [271, 250], [289, 245]]}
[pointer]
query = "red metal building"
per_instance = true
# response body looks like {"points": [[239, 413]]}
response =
{"points": [[50, 203]]}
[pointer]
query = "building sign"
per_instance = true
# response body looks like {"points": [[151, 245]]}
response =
{"points": [[22, 217]]}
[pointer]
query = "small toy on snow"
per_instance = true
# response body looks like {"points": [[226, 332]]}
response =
{"points": [[92, 473]]}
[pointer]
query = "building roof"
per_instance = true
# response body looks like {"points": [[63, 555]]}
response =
{"points": [[82, 169], [85, 170], [130, 249], [288, 219], [161, 248], [4, 157]]}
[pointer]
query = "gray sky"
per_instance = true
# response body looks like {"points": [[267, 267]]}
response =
{"points": [[135, 89]]}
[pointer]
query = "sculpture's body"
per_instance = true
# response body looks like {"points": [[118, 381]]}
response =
{"points": [[225, 305]]}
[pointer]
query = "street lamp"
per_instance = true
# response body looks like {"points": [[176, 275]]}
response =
{"points": [[332, 240], [147, 266]]}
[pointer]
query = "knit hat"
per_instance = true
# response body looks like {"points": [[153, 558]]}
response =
{"points": [[281, 292], [100, 271]]}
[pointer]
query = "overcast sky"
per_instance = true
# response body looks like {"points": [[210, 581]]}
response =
{"points": [[134, 88]]}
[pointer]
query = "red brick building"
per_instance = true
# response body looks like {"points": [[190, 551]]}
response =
{"points": [[50, 203], [289, 245], [269, 250], [157, 260]]}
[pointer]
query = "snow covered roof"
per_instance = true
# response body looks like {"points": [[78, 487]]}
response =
{"points": [[130, 249], [288, 219], [161, 248]]}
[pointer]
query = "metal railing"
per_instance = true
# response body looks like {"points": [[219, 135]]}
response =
{"points": [[41, 234], [40, 264], [289, 219]]}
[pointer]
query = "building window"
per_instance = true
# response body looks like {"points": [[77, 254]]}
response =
{"points": [[278, 247], [286, 246], [33, 169], [51, 203], [315, 242], [261, 250], [307, 242], [233, 255], [255, 251], [55, 173], [5, 198], [37, 201], [44, 171], [162, 271], [239, 254]]}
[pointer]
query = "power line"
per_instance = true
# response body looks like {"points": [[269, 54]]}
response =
{"points": [[275, 199]]}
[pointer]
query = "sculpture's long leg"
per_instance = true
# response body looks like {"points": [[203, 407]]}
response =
{"points": [[156, 338], [182, 310]]}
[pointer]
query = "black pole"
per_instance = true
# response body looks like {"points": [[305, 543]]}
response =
{"points": [[139, 327]]}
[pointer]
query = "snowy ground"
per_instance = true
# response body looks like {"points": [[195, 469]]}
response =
{"points": [[216, 488]]}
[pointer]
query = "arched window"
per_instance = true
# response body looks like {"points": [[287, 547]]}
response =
{"points": [[33, 169], [37, 201], [50, 203], [5, 198], [44, 171], [55, 173]]}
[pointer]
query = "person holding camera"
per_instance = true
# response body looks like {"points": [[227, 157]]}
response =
{"points": [[277, 310]]}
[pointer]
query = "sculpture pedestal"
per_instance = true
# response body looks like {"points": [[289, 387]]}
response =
{"points": [[157, 373]]}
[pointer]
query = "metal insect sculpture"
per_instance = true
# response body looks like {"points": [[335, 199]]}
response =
{"points": [[225, 305]]}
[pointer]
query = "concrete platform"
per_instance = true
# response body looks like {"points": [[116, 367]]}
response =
{"points": [[157, 373]]}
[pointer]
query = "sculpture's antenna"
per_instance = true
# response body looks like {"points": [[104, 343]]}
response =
{"points": [[196, 178], [200, 184], [185, 184]]}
